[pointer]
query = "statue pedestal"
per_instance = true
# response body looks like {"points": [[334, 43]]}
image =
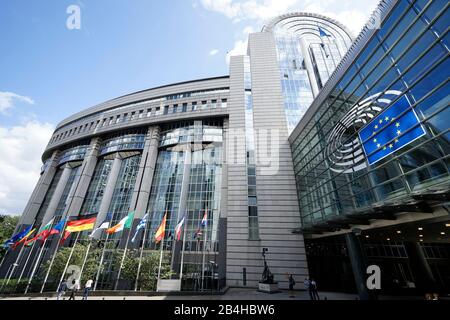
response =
{"points": [[268, 287]]}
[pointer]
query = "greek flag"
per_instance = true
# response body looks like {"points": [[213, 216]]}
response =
{"points": [[391, 130], [140, 226]]}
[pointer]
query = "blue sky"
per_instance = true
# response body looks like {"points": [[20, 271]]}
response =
{"points": [[48, 72]]}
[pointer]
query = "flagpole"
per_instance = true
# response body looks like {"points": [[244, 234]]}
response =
{"points": [[160, 257], [85, 259], [140, 257], [26, 262], [97, 276], [205, 240], [123, 258], [35, 265], [182, 249], [54, 256], [68, 261], [14, 265]]}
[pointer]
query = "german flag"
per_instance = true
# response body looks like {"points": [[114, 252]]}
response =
{"points": [[80, 225]]}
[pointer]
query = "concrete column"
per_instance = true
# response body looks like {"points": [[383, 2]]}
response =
{"points": [[176, 256], [309, 67], [222, 256], [144, 178], [423, 276], [83, 179], [109, 190], [37, 197], [357, 260], [54, 201]]}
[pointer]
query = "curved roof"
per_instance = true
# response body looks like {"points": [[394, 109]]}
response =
{"points": [[269, 27], [143, 94]]}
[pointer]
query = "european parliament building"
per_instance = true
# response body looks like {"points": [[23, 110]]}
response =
{"points": [[319, 154]]}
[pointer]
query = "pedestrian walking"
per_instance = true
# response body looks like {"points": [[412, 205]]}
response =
{"points": [[314, 291], [87, 289], [291, 286], [62, 289], [75, 288], [307, 284]]}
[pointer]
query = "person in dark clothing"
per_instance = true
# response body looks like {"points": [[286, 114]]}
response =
{"points": [[291, 286], [313, 290], [62, 289], [75, 288]]}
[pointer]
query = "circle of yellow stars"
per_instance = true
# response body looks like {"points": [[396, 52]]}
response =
{"points": [[377, 126]]}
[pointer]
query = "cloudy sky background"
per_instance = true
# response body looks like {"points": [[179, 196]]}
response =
{"points": [[48, 72]]}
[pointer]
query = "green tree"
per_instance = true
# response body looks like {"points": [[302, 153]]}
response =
{"points": [[90, 267], [7, 226], [149, 269]]}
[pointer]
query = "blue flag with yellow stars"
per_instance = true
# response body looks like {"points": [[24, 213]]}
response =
{"points": [[391, 130]]}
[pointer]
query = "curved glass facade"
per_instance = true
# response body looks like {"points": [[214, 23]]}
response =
{"points": [[123, 142], [405, 62], [309, 48], [97, 187], [187, 183]]}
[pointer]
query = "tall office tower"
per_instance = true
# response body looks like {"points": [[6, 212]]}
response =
{"points": [[309, 47]]}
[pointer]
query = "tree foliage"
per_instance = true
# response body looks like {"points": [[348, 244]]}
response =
{"points": [[7, 226]]}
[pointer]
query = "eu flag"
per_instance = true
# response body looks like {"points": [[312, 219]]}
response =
{"points": [[391, 130]]}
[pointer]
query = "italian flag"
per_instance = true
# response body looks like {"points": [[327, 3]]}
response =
{"points": [[125, 223]]}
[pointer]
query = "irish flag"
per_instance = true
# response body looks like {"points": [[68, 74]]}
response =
{"points": [[159, 235], [125, 223]]}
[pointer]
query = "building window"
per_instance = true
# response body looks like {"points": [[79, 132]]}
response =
{"points": [[253, 230], [185, 105], [166, 110], [224, 103], [194, 106], [204, 105], [149, 112], [175, 108], [141, 114]]}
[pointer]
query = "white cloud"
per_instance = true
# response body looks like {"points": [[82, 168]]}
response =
{"points": [[352, 13], [240, 48], [213, 52], [21, 148], [249, 9], [247, 30], [7, 100]]}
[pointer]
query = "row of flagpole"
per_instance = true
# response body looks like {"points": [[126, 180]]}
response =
{"points": [[62, 237]]}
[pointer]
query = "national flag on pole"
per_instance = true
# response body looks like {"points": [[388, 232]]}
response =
{"points": [[159, 235], [323, 33], [17, 237], [57, 229], [140, 226], [104, 225], [43, 233], [197, 233], [204, 222], [80, 225], [24, 239], [178, 228], [125, 223]]}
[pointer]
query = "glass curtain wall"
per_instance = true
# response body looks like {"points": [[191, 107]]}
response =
{"points": [[407, 57]]}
